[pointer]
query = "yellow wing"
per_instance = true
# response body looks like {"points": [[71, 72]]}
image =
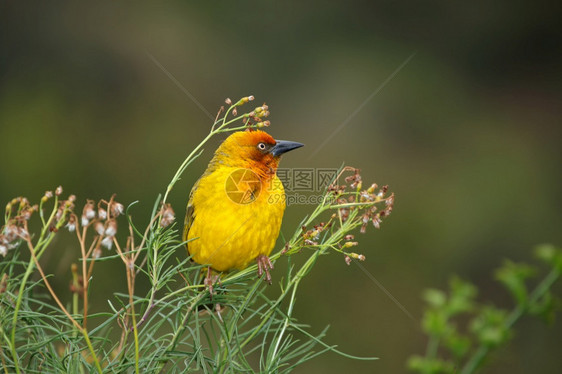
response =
{"points": [[190, 213]]}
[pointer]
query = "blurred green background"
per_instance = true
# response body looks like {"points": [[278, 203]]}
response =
{"points": [[467, 134]]}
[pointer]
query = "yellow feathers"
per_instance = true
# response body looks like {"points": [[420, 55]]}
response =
{"points": [[235, 209]]}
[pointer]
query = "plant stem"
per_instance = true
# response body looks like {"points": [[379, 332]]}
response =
{"points": [[478, 357], [28, 271]]}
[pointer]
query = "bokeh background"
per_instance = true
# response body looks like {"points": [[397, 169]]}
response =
{"points": [[457, 106]]}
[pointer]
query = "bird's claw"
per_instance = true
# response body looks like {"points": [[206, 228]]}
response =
{"points": [[264, 266], [210, 281]]}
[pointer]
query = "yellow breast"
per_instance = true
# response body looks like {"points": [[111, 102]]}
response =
{"points": [[236, 217]]}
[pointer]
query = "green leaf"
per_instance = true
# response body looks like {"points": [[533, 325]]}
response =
{"points": [[435, 322], [435, 298], [546, 307], [462, 296], [550, 254], [490, 327], [458, 345], [430, 366], [513, 276]]}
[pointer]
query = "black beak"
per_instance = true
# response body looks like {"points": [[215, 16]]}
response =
{"points": [[282, 146]]}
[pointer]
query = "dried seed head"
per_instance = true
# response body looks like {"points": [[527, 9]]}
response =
{"points": [[88, 212], [10, 233], [363, 228], [26, 213], [111, 228], [71, 225], [22, 232], [228, 101], [348, 260], [99, 228], [168, 216], [3, 250], [102, 213], [390, 200], [117, 209], [107, 242], [58, 191]]}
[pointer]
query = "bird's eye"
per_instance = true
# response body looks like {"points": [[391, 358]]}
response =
{"points": [[261, 146]]}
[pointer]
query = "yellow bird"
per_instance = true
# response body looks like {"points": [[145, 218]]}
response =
{"points": [[235, 209]]}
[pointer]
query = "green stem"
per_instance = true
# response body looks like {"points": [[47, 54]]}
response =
{"points": [[179, 331], [40, 249], [136, 336], [432, 347], [287, 320], [92, 351], [193, 154], [15, 318], [478, 357]]}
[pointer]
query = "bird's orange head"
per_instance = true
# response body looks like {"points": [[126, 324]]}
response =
{"points": [[256, 150]]}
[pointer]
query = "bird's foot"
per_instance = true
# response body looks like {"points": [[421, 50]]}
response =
{"points": [[264, 266], [210, 280]]}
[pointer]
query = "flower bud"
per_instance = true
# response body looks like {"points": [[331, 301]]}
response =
{"points": [[357, 256], [372, 188]]}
